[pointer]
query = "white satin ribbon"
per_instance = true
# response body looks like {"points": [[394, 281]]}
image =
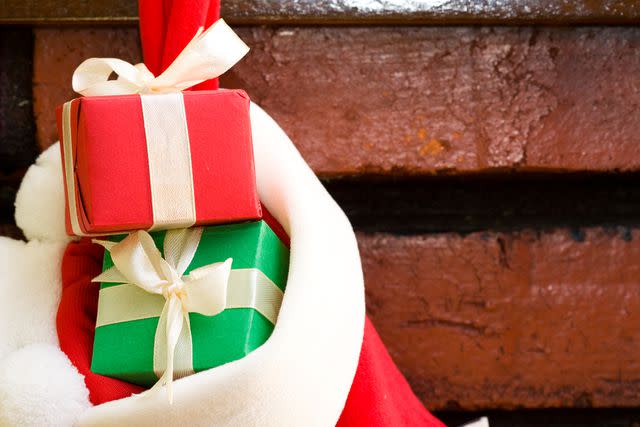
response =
{"points": [[247, 288], [169, 159], [208, 55], [138, 262], [69, 170]]}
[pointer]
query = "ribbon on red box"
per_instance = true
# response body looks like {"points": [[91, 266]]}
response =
{"points": [[208, 55]]}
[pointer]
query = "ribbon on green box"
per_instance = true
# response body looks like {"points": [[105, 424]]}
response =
{"points": [[153, 286]]}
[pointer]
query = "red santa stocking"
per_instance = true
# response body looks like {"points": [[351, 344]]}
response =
{"points": [[379, 396]]}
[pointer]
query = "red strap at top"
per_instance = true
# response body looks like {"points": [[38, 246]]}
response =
{"points": [[166, 26]]}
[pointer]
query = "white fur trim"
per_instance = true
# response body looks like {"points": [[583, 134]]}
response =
{"points": [[40, 387], [303, 374], [29, 292], [40, 199]]}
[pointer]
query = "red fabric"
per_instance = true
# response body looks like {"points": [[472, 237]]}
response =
{"points": [[166, 26], [76, 319], [380, 395]]}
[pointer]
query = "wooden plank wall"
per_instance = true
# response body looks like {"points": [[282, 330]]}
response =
{"points": [[491, 172], [349, 12], [415, 100]]}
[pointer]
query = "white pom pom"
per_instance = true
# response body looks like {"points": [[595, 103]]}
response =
{"points": [[40, 387], [40, 199]]}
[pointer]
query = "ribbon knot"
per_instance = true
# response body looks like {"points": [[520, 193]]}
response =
{"points": [[208, 55], [176, 289], [137, 261]]}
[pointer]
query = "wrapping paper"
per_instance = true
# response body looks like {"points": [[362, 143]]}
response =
{"points": [[112, 187], [125, 350]]}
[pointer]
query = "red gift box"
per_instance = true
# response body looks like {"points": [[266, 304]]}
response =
{"points": [[111, 182]]}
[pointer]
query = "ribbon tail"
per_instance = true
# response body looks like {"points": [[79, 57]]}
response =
{"points": [[169, 375], [160, 359], [172, 318], [165, 379]]}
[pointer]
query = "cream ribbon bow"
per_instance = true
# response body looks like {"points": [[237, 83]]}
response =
{"points": [[137, 261], [208, 55]]}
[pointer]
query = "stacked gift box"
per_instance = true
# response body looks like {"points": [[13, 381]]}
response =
{"points": [[179, 164]]}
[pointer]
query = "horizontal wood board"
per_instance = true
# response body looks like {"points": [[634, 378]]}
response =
{"points": [[415, 100], [352, 12]]}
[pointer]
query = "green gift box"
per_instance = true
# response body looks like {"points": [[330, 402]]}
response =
{"points": [[124, 346]]}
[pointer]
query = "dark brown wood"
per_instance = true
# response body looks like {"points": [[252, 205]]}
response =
{"points": [[279, 12], [17, 128], [58, 53], [8, 189], [471, 204], [59, 12], [415, 100], [482, 202], [12, 231], [506, 320]]}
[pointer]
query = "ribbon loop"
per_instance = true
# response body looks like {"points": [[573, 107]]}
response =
{"points": [[91, 78], [201, 294], [137, 261], [208, 55]]}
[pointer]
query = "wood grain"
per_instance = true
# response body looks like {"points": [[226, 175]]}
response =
{"points": [[58, 53], [415, 100], [507, 320], [279, 12]]}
